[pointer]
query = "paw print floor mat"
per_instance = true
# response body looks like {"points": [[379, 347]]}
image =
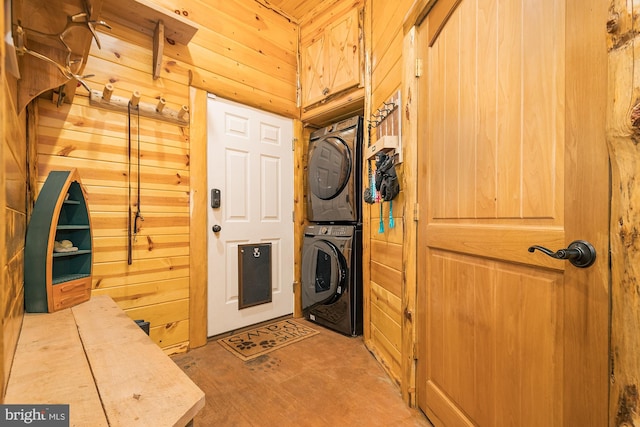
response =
{"points": [[255, 342]]}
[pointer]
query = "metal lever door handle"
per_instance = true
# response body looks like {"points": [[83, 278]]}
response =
{"points": [[580, 253]]}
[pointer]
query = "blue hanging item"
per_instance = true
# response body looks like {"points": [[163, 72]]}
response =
{"points": [[381, 229], [392, 223], [374, 190], [369, 194]]}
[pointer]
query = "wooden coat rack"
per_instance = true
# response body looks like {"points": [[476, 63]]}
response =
{"points": [[157, 111]]}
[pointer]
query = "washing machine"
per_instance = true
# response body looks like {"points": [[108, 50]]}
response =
{"points": [[334, 177], [332, 277]]}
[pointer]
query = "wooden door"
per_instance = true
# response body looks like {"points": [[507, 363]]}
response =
{"points": [[251, 162], [512, 154], [343, 52], [314, 83]]}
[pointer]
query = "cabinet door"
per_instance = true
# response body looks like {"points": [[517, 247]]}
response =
{"points": [[343, 52], [314, 83], [331, 60]]}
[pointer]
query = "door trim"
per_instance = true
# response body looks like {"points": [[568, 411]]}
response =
{"points": [[197, 218]]}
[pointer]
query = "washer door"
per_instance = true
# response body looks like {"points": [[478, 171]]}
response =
{"points": [[330, 164], [324, 273]]}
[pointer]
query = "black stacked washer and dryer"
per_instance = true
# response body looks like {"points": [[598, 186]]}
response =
{"points": [[332, 248]]}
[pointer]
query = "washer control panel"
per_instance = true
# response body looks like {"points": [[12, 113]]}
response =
{"points": [[329, 230], [334, 230]]}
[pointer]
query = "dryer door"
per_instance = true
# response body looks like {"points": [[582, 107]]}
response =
{"points": [[330, 163], [324, 273]]}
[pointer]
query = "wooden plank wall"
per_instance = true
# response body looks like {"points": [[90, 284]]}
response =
{"points": [[386, 284], [241, 51], [13, 214]]}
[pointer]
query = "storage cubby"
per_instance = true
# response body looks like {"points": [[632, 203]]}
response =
{"points": [[58, 250]]}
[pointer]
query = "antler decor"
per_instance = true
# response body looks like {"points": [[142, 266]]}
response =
{"points": [[82, 20]]}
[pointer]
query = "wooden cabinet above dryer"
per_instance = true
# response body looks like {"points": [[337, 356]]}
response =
{"points": [[331, 60]]}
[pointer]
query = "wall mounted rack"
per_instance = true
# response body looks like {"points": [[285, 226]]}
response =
{"points": [[105, 99], [387, 122]]}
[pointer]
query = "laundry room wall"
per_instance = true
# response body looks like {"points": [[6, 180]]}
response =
{"points": [[386, 334], [13, 216], [241, 51]]}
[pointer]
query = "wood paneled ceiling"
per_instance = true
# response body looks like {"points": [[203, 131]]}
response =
{"points": [[297, 10]]}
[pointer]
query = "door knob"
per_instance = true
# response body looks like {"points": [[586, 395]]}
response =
{"points": [[216, 228], [580, 253]]}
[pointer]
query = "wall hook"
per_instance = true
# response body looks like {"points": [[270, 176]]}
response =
{"points": [[107, 92], [135, 98], [161, 103]]}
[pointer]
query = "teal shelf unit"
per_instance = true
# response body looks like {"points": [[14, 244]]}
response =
{"points": [[57, 280]]}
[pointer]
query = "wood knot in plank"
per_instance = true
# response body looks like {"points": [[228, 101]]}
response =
{"points": [[149, 244], [66, 150], [613, 23], [634, 119], [628, 236], [628, 406]]}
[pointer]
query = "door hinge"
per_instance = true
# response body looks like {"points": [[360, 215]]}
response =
{"points": [[416, 212], [293, 216], [294, 141], [418, 67]]}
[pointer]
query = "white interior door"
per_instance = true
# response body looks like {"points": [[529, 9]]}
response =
{"points": [[250, 161]]}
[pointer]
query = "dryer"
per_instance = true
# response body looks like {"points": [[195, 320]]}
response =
{"points": [[332, 277], [334, 178]]}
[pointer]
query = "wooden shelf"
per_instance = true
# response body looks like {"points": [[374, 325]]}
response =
{"points": [[68, 278], [143, 15], [74, 253], [337, 109], [155, 21], [73, 227]]}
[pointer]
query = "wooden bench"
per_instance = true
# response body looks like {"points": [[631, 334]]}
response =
{"points": [[96, 359]]}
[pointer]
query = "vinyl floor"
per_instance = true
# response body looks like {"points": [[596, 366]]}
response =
{"points": [[325, 380]]}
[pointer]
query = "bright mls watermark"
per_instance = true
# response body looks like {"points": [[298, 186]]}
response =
{"points": [[34, 415]]}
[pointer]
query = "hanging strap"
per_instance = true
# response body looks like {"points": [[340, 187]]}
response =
{"points": [[139, 216], [129, 233], [392, 222], [381, 228]]}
